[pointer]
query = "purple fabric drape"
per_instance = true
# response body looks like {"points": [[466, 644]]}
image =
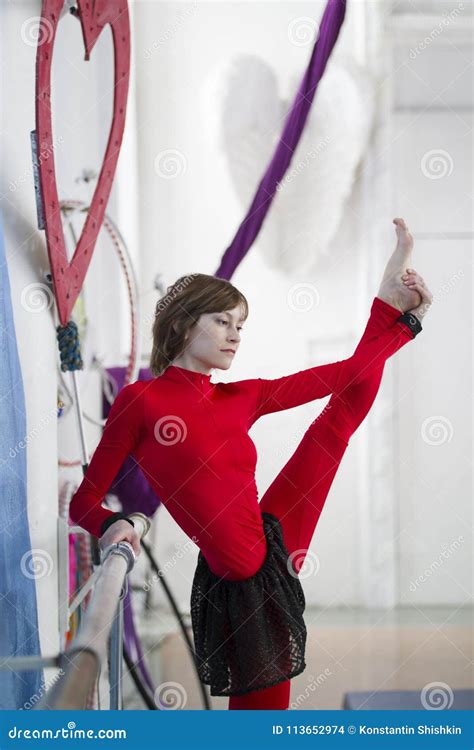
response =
{"points": [[330, 26], [130, 485]]}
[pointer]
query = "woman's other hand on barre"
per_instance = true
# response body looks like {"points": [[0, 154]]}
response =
{"points": [[121, 531]]}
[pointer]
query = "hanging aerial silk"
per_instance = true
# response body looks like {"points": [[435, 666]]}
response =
{"points": [[131, 485], [330, 26], [18, 615]]}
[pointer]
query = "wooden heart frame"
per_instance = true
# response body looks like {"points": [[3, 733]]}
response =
{"points": [[68, 277]]}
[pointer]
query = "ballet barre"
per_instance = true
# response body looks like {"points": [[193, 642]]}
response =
{"points": [[80, 664]]}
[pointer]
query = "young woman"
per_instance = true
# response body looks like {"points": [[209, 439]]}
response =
{"points": [[190, 437]]}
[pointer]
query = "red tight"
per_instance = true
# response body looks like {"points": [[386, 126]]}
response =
{"points": [[297, 495]]}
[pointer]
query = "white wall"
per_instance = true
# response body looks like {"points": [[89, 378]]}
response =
{"points": [[432, 184]]}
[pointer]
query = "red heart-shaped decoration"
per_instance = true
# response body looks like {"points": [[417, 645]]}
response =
{"points": [[94, 15]]}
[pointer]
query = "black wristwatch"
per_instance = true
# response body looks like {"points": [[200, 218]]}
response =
{"points": [[412, 322], [111, 519]]}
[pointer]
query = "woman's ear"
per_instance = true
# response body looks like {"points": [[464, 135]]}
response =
{"points": [[175, 329]]}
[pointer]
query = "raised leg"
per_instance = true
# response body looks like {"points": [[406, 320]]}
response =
{"points": [[297, 495]]}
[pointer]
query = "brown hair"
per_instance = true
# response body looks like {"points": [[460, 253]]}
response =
{"points": [[180, 308]]}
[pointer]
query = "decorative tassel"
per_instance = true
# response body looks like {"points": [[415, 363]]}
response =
{"points": [[69, 347]]}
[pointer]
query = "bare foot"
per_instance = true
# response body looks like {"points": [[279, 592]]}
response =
{"points": [[392, 290], [414, 281]]}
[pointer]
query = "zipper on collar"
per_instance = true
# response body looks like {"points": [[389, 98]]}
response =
{"points": [[205, 386]]}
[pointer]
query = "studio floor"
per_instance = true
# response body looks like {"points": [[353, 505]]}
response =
{"points": [[347, 650]]}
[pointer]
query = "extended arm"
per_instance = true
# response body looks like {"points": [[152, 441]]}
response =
{"points": [[322, 380], [120, 435]]}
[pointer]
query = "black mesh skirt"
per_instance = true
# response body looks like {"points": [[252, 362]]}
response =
{"points": [[249, 634]]}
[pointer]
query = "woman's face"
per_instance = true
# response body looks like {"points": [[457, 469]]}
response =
{"points": [[214, 340]]}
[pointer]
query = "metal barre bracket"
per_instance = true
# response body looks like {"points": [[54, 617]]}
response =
{"points": [[120, 548]]}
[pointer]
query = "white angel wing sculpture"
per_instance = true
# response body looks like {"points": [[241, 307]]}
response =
{"points": [[309, 203]]}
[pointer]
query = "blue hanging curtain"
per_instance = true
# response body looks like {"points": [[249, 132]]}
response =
{"points": [[18, 614]]}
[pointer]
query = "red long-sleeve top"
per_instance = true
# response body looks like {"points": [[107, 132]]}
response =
{"points": [[190, 438]]}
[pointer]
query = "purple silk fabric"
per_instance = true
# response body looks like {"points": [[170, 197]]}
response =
{"points": [[330, 26], [130, 485], [132, 642]]}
